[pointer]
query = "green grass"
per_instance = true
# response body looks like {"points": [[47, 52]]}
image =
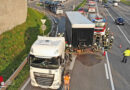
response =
{"points": [[48, 24], [23, 75], [126, 2], [104, 1], [80, 5], [15, 44], [39, 4]]}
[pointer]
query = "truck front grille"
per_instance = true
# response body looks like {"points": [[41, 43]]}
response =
{"points": [[44, 79]]}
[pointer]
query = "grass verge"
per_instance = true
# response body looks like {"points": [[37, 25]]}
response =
{"points": [[48, 24], [80, 5], [39, 4], [23, 75], [15, 44], [126, 2]]}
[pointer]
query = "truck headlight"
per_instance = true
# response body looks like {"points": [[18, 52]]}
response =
{"points": [[56, 84]]}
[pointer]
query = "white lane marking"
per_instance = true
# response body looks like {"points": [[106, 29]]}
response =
{"points": [[123, 8], [106, 69], [72, 63], [124, 35], [110, 14], [109, 71], [119, 28], [112, 84], [110, 74], [25, 84], [122, 15]]}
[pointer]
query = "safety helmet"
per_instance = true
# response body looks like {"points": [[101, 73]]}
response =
{"points": [[95, 43], [127, 48]]}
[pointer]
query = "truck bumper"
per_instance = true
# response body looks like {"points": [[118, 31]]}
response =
{"points": [[53, 86]]}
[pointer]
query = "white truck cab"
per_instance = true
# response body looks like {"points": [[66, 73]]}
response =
{"points": [[46, 60], [115, 4]]}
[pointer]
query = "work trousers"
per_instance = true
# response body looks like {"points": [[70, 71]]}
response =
{"points": [[124, 59], [66, 87]]}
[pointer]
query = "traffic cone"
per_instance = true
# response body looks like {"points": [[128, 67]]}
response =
{"points": [[120, 46], [104, 53]]}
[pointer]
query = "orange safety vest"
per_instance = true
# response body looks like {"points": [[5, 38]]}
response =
{"points": [[67, 79]]}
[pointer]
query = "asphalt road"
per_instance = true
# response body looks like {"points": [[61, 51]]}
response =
{"points": [[89, 71], [120, 71]]}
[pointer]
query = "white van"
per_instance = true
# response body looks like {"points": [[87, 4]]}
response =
{"points": [[59, 10]]}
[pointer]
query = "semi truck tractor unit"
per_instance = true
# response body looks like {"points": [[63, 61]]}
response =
{"points": [[46, 60], [79, 30]]}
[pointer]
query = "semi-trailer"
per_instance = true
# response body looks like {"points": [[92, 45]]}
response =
{"points": [[79, 30]]}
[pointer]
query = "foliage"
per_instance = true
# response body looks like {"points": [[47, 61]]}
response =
{"points": [[20, 78], [80, 5], [104, 1], [126, 2]]}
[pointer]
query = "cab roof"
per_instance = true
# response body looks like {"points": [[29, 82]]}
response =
{"points": [[48, 46]]}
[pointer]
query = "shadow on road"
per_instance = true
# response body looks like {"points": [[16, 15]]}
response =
{"points": [[89, 59]]}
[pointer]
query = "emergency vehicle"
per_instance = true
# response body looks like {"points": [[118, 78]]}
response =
{"points": [[100, 25], [92, 9], [92, 6], [92, 3]]}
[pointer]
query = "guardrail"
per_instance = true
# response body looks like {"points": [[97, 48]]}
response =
{"points": [[14, 75]]}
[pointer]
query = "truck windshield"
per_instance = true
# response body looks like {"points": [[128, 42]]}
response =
{"points": [[99, 24], [43, 62], [98, 30]]}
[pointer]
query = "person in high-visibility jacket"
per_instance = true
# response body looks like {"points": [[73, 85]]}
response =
{"points": [[67, 81], [126, 53]]}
